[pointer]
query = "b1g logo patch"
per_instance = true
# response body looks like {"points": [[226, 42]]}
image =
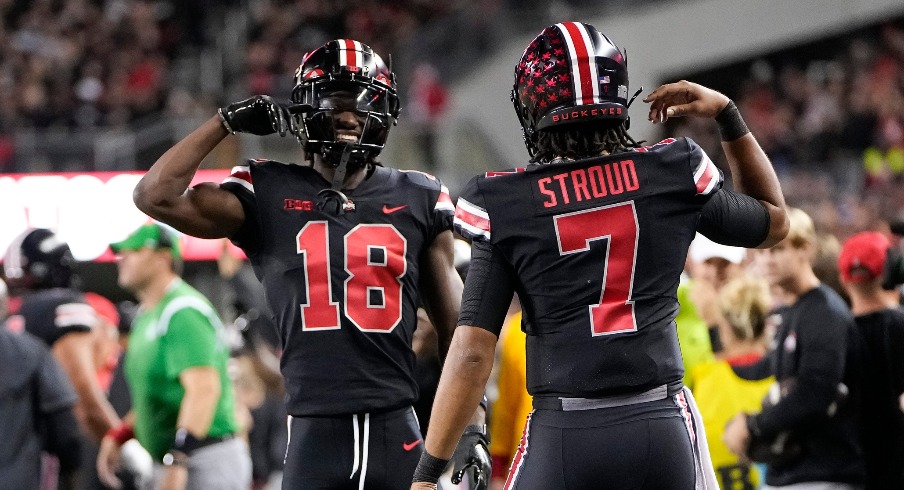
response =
{"points": [[297, 205]]}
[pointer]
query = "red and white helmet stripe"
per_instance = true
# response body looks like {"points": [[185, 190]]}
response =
{"points": [[584, 71], [349, 53]]}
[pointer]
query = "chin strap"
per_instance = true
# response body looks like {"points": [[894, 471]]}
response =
{"points": [[628, 119], [333, 199], [634, 96]]}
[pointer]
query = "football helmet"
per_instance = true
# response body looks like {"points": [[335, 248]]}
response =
{"points": [[570, 73], [38, 259], [344, 75]]}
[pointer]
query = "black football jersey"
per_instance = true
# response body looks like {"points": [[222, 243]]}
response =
{"points": [[596, 248], [344, 288], [50, 314]]}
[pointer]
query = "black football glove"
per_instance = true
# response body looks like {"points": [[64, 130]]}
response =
{"points": [[260, 115], [472, 456]]}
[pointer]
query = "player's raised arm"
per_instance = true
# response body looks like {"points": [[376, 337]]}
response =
{"points": [[752, 173], [205, 210]]}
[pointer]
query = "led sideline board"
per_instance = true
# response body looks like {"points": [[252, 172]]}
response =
{"points": [[89, 210]]}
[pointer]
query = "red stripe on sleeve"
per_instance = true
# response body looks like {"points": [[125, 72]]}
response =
{"points": [[472, 219], [244, 175], [705, 179]]}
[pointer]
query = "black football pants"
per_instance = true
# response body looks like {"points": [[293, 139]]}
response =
{"points": [[644, 446], [350, 452]]}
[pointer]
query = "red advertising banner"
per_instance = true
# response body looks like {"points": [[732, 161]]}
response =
{"points": [[89, 210]]}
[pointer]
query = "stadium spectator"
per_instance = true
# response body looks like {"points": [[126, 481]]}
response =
{"points": [[880, 323], [744, 304], [36, 406], [367, 243], [710, 265], [429, 105], [605, 373], [183, 407], [813, 359]]}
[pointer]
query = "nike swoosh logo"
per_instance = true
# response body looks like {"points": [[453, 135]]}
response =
{"points": [[408, 446], [392, 210]]}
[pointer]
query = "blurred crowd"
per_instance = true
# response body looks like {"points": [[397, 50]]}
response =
{"points": [[832, 122], [84, 63]]}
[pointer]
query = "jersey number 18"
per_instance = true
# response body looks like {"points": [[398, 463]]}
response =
{"points": [[374, 256]]}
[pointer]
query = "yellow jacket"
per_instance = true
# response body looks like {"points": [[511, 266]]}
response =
{"points": [[510, 410]]}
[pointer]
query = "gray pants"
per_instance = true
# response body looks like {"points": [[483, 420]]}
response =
{"points": [[225, 465]]}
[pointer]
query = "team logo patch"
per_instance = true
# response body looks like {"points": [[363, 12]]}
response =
{"points": [[297, 205], [316, 72]]}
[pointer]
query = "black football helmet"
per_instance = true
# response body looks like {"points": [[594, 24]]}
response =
{"points": [[38, 259], [344, 74], [570, 73]]}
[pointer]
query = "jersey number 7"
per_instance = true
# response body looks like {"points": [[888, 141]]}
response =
{"points": [[374, 256], [617, 225]]}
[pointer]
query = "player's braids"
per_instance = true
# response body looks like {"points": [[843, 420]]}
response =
{"points": [[573, 143]]}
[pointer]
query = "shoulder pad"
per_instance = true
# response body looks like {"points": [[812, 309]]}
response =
{"points": [[500, 173], [665, 142], [421, 179]]}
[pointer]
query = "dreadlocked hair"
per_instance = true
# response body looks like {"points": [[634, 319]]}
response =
{"points": [[575, 144]]}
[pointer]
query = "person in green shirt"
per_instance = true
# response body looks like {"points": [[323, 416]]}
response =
{"points": [[183, 407]]}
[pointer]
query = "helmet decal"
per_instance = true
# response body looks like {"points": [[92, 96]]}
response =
{"points": [[316, 72], [348, 53], [583, 67], [570, 73]]}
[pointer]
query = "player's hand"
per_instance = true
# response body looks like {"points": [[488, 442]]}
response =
{"points": [[421, 485], [260, 115], [472, 458], [684, 99]]}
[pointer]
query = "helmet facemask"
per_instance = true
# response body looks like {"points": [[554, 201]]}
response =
{"points": [[343, 76], [326, 84]]}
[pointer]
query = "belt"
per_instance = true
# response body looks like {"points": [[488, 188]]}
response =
{"points": [[211, 440], [567, 404]]}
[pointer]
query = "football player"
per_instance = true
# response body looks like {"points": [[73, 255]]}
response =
{"points": [[347, 250], [38, 269], [593, 236]]}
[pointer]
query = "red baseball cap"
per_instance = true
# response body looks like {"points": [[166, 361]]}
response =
{"points": [[862, 256]]}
